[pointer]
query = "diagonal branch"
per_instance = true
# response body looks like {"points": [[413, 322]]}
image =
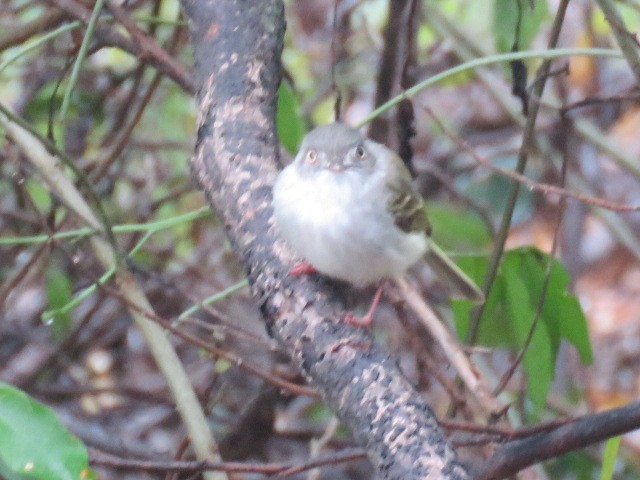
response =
{"points": [[237, 48], [579, 433]]}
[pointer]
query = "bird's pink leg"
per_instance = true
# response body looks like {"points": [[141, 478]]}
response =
{"points": [[302, 268], [305, 268], [365, 321]]}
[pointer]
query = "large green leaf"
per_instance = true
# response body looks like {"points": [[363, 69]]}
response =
{"points": [[33, 442], [511, 308]]}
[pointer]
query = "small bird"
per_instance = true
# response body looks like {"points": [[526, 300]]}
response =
{"points": [[348, 207]]}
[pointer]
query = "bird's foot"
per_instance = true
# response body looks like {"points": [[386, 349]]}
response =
{"points": [[302, 268], [363, 345], [356, 321], [365, 321]]}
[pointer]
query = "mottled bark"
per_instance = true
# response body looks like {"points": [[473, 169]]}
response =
{"points": [[237, 46]]}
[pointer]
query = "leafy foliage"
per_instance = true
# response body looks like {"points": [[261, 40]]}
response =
{"points": [[511, 309], [513, 301]]}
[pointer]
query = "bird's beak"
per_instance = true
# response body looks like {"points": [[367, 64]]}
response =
{"points": [[332, 164], [335, 164]]}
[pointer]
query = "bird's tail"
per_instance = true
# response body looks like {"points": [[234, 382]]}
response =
{"points": [[453, 277]]}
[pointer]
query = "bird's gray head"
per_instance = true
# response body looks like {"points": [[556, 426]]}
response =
{"points": [[336, 147]]}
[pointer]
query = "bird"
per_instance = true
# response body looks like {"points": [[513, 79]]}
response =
{"points": [[347, 205]]}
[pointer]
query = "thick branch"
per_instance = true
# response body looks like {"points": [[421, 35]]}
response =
{"points": [[237, 47], [581, 432]]}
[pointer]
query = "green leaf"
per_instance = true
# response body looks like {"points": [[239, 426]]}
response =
{"points": [[609, 458], [505, 21], [59, 294], [500, 331], [511, 308], [34, 444], [539, 358], [291, 127], [457, 229], [560, 303]]}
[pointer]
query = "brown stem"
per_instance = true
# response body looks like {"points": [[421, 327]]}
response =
{"points": [[142, 47]]}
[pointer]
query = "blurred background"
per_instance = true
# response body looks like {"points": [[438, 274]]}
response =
{"points": [[125, 118]]}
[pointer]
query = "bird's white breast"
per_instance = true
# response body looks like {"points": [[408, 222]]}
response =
{"points": [[344, 231]]}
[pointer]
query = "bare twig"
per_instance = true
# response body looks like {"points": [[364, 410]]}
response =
{"points": [[451, 348], [148, 50], [527, 182], [162, 466], [20, 33], [528, 140], [545, 285], [215, 351]]}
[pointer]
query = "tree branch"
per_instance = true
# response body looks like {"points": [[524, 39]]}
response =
{"points": [[237, 46], [582, 432]]}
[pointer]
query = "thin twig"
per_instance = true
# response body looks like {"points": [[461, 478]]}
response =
{"points": [[544, 188], [527, 141], [110, 36], [161, 466], [215, 351], [545, 285], [451, 348], [163, 352]]}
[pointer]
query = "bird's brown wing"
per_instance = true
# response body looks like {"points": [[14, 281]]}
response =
{"points": [[407, 207], [405, 203]]}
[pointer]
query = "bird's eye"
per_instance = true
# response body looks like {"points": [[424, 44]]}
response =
{"points": [[360, 153], [312, 156]]}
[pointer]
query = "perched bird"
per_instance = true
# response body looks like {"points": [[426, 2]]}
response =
{"points": [[348, 207]]}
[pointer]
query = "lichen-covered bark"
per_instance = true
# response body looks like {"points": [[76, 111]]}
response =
{"points": [[237, 45]]}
